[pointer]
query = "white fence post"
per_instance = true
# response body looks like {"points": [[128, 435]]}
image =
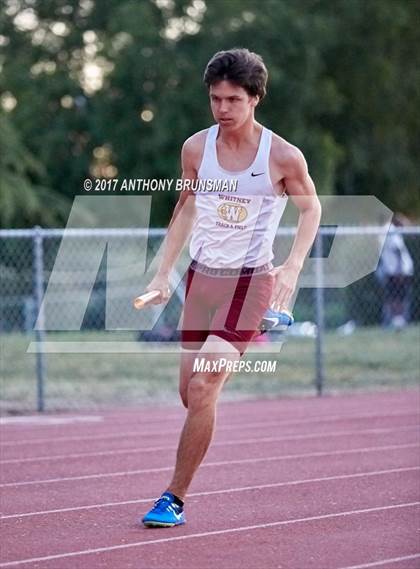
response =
{"points": [[320, 314], [38, 251]]}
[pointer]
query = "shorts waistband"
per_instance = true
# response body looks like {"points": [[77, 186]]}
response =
{"points": [[223, 272]]}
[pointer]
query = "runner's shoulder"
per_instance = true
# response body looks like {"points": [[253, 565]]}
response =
{"points": [[286, 155], [193, 147]]}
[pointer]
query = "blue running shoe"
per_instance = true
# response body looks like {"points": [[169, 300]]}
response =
{"points": [[165, 513], [273, 319]]}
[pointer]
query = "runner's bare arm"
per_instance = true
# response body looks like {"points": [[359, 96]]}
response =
{"points": [[299, 186], [182, 220], [301, 189]]}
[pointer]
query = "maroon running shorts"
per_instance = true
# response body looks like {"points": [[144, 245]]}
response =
{"points": [[230, 307]]}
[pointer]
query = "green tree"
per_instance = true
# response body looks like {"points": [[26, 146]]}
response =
{"points": [[113, 87], [23, 201]]}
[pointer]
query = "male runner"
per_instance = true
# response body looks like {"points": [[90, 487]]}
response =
{"points": [[231, 281]]}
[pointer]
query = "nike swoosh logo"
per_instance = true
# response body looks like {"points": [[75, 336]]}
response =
{"points": [[178, 516], [272, 320], [253, 175]]}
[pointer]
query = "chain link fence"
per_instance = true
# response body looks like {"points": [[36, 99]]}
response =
{"points": [[365, 335]]}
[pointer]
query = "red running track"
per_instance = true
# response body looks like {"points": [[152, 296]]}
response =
{"points": [[287, 484]]}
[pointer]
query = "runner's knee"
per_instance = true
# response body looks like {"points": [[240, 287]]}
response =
{"points": [[204, 388]]}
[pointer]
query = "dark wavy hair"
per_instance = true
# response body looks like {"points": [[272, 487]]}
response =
{"points": [[240, 66]]}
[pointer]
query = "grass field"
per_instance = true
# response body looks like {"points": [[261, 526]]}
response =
{"points": [[371, 358]]}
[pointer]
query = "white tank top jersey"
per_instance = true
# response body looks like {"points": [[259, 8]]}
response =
{"points": [[236, 229]]}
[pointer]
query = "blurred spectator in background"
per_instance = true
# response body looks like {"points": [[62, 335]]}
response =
{"points": [[395, 273]]}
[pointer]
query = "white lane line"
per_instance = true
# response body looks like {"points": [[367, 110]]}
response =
{"points": [[235, 442], [34, 420], [213, 492], [207, 534], [139, 433], [207, 464], [18, 427], [383, 562]]}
